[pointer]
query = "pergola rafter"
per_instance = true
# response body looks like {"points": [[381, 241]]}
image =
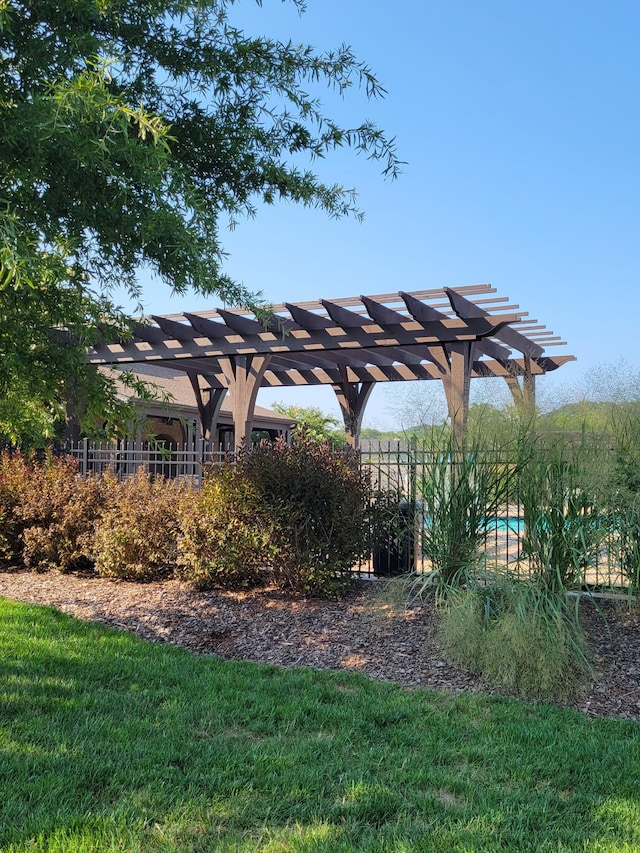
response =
{"points": [[350, 344]]}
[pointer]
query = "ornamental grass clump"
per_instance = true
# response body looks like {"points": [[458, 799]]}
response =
{"points": [[564, 522], [462, 489], [521, 638], [623, 498], [625, 524]]}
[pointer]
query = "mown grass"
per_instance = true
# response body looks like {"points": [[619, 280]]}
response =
{"points": [[111, 743]]}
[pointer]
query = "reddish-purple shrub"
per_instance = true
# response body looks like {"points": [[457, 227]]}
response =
{"points": [[15, 473], [59, 509], [136, 534], [47, 512]]}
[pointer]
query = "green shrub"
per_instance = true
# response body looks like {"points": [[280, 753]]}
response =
{"points": [[136, 535], [317, 505], [225, 538], [294, 514], [519, 637]]}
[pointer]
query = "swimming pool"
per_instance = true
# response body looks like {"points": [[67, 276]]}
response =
{"points": [[501, 524]]}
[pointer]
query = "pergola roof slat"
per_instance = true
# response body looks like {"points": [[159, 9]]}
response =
{"points": [[349, 343], [466, 309], [178, 331]]}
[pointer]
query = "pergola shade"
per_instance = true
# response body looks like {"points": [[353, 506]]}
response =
{"points": [[348, 343]]}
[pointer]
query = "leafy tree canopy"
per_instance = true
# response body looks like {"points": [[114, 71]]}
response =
{"points": [[314, 423], [131, 132]]}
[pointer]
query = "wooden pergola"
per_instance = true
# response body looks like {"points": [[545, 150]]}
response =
{"points": [[450, 335]]}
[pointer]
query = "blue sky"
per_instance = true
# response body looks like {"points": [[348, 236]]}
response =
{"points": [[519, 123]]}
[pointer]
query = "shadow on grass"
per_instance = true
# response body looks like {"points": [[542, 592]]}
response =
{"points": [[111, 743]]}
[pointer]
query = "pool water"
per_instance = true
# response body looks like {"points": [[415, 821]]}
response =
{"points": [[501, 524], [511, 525]]}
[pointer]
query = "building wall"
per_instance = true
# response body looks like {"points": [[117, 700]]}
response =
{"points": [[154, 426]]}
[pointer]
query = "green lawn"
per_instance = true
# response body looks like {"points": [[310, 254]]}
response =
{"points": [[110, 743]]}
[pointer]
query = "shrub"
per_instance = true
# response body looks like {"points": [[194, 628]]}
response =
{"points": [[521, 638], [15, 473], [136, 535], [47, 512], [59, 509], [295, 514], [225, 537], [316, 501]]}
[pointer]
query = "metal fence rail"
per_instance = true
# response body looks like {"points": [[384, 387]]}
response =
{"points": [[399, 468], [126, 456], [402, 468]]}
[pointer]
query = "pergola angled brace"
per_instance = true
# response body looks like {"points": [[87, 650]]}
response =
{"points": [[209, 410], [244, 375], [353, 398]]}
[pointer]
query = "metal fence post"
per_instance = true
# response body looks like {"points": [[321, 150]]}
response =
{"points": [[85, 456], [416, 514]]}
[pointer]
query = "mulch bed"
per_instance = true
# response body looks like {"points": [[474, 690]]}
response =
{"points": [[359, 633]]}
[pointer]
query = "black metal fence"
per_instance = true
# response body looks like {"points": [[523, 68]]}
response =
{"points": [[126, 456], [403, 468], [399, 469]]}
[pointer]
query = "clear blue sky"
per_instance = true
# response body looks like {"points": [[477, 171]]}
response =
{"points": [[520, 126]]}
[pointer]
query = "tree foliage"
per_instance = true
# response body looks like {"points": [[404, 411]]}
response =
{"points": [[314, 424], [132, 132]]}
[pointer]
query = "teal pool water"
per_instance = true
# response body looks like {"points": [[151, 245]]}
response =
{"points": [[510, 525], [502, 524]]}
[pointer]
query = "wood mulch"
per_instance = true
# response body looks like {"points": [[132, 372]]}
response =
{"points": [[360, 633]]}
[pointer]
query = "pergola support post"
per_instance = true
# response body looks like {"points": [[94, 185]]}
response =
{"points": [[243, 374], [524, 393], [353, 398], [457, 387]]}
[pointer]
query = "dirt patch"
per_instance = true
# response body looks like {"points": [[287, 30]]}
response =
{"points": [[269, 626]]}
